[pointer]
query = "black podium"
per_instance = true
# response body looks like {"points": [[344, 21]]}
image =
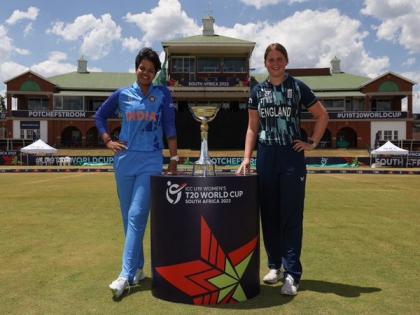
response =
{"points": [[205, 238]]}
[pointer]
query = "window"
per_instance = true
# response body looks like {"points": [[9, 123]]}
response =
{"points": [[177, 65], [355, 104], [72, 102], [334, 104], [387, 135], [383, 105], [395, 134], [29, 134], [37, 103], [58, 102], [234, 65], [182, 65], [93, 104], [14, 103], [208, 65], [68, 102]]}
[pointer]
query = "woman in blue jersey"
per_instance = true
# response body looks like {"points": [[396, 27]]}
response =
{"points": [[147, 112], [273, 119]]}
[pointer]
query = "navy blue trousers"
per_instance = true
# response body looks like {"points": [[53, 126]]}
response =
{"points": [[282, 177]]}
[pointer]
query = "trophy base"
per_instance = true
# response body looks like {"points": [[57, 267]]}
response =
{"points": [[204, 170]]}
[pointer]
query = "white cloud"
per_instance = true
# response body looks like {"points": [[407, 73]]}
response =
{"points": [[57, 64], [6, 46], [10, 69], [409, 62], [27, 30], [166, 21], [54, 65], [18, 15], [399, 21], [97, 34], [263, 3], [23, 52], [312, 39], [131, 44], [414, 76]]}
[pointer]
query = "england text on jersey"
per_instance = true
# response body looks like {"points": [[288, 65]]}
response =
{"points": [[275, 111]]}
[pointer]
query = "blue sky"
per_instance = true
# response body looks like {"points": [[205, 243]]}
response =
{"points": [[370, 37]]}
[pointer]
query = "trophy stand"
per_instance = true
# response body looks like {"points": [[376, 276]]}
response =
{"points": [[204, 114]]}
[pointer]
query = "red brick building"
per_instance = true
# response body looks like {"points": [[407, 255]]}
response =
{"points": [[207, 69]]}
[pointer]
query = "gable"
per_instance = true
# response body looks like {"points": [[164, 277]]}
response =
{"points": [[388, 82], [29, 82]]}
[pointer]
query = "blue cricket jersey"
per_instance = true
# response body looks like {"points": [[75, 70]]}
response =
{"points": [[144, 118]]}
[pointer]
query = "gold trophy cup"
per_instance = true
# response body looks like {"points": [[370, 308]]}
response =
{"points": [[204, 114]]}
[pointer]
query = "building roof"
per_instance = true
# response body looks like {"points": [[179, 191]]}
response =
{"points": [[208, 40], [98, 81], [333, 82], [28, 71], [390, 73], [208, 45]]}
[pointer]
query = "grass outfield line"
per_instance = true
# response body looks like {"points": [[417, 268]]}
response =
{"points": [[61, 240]]}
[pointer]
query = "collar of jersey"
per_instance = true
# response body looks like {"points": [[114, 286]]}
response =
{"points": [[269, 84], [136, 87]]}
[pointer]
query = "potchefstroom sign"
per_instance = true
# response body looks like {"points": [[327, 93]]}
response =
{"points": [[205, 239]]}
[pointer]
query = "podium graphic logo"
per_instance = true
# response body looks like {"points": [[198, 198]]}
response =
{"points": [[174, 192], [215, 277]]}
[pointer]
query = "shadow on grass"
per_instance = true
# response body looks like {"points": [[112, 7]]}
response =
{"points": [[340, 289], [270, 295], [145, 285]]}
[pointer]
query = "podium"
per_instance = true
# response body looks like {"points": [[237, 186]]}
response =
{"points": [[205, 238]]}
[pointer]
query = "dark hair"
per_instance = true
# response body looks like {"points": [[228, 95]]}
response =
{"points": [[276, 46], [150, 55]]}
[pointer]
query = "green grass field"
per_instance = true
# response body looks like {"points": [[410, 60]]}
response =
{"points": [[61, 241]]}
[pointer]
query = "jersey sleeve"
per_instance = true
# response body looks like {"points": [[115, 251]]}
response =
{"points": [[108, 109], [253, 101], [168, 114], [307, 97]]}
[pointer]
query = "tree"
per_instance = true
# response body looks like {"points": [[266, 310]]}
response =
{"points": [[2, 104]]}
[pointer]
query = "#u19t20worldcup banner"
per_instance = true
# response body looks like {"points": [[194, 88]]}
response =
{"points": [[205, 239]]}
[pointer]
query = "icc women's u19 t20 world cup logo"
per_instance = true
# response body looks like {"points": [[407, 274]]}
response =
{"points": [[174, 192]]}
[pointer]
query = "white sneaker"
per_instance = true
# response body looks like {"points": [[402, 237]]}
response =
{"points": [[138, 277], [118, 286], [273, 276], [289, 287]]}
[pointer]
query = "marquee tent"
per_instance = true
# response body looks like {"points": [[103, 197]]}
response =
{"points": [[38, 147], [389, 149]]}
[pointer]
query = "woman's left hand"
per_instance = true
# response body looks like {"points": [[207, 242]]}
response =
{"points": [[299, 145], [172, 167]]}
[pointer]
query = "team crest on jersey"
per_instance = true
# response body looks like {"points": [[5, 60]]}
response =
{"points": [[152, 98]]}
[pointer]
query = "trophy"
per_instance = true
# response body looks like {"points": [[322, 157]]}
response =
{"points": [[204, 114]]}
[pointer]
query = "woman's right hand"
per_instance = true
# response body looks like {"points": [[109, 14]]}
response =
{"points": [[115, 146], [245, 167]]}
